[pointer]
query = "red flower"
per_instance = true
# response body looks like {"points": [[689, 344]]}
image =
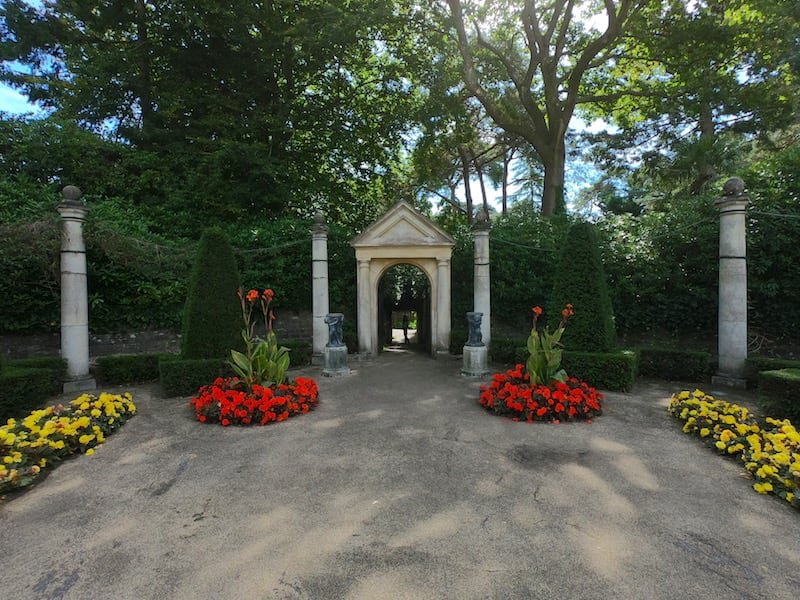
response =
{"points": [[269, 294], [252, 295], [537, 310]]}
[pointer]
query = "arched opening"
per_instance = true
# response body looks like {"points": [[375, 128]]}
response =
{"points": [[404, 308]]}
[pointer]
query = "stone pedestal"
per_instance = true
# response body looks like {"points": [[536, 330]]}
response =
{"points": [[336, 362], [732, 331], [74, 293], [476, 361], [319, 287]]}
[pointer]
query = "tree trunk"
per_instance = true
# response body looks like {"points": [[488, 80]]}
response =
{"points": [[508, 156], [465, 160], [483, 188], [553, 192], [145, 76]]}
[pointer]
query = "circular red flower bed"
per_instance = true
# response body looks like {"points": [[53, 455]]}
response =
{"points": [[230, 402], [511, 395]]}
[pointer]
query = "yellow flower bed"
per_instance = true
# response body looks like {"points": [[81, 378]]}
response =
{"points": [[46, 436], [770, 454]]}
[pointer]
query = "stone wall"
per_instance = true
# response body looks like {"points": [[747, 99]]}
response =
{"points": [[290, 325]]}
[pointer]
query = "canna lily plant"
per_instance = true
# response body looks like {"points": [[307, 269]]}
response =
{"points": [[264, 361], [544, 363]]}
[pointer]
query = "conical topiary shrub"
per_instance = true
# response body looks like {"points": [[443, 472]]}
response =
{"points": [[212, 318], [581, 281]]}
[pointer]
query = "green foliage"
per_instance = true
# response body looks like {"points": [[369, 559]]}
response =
{"points": [[121, 369], [26, 383], [580, 280], [662, 267], [504, 350], [23, 389], [754, 365], [264, 362], [779, 393], [300, 352], [211, 325], [458, 338], [544, 354], [675, 364], [613, 371], [773, 254], [183, 377]]}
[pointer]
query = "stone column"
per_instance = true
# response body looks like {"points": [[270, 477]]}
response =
{"points": [[732, 339], [74, 293], [364, 312], [443, 305], [319, 284], [482, 284]]}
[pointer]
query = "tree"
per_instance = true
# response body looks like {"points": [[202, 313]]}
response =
{"points": [[268, 107], [533, 67], [212, 320], [705, 76], [580, 280]]}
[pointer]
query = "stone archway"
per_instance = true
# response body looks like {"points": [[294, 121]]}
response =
{"points": [[403, 236]]}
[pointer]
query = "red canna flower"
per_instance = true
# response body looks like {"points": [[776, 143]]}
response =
{"points": [[252, 296]]}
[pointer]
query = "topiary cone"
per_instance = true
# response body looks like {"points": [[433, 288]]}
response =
{"points": [[212, 317], [581, 281]]}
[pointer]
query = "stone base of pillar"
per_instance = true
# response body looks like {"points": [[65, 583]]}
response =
{"points": [[476, 361], [318, 359], [336, 362], [81, 384], [441, 354], [729, 381]]}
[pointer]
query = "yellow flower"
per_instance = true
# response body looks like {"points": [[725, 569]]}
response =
{"points": [[762, 488], [705, 431], [720, 445], [789, 497], [96, 412], [90, 451], [85, 439]]}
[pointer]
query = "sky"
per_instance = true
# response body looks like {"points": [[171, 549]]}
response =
{"points": [[13, 102]]}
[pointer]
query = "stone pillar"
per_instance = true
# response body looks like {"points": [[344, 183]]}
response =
{"points": [[443, 306], [732, 339], [482, 284], [74, 293], [364, 312], [319, 285]]}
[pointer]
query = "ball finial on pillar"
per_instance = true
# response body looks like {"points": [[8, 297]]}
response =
{"points": [[71, 193]]}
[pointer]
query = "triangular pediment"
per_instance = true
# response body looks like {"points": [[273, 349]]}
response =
{"points": [[403, 226]]}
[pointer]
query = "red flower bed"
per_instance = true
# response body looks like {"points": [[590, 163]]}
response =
{"points": [[230, 402], [510, 395]]}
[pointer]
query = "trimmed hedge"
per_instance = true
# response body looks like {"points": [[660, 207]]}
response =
{"points": [[26, 383], [613, 371], [458, 337], [506, 350], [184, 376], [212, 318], [581, 281], [779, 393], [299, 352], [24, 389], [755, 364], [675, 365], [122, 369]]}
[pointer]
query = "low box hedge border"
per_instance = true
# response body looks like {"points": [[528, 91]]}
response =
{"points": [[125, 369], [611, 371], [779, 394], [674, 364], [755, 364], [26, 384], [184, 376]]}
